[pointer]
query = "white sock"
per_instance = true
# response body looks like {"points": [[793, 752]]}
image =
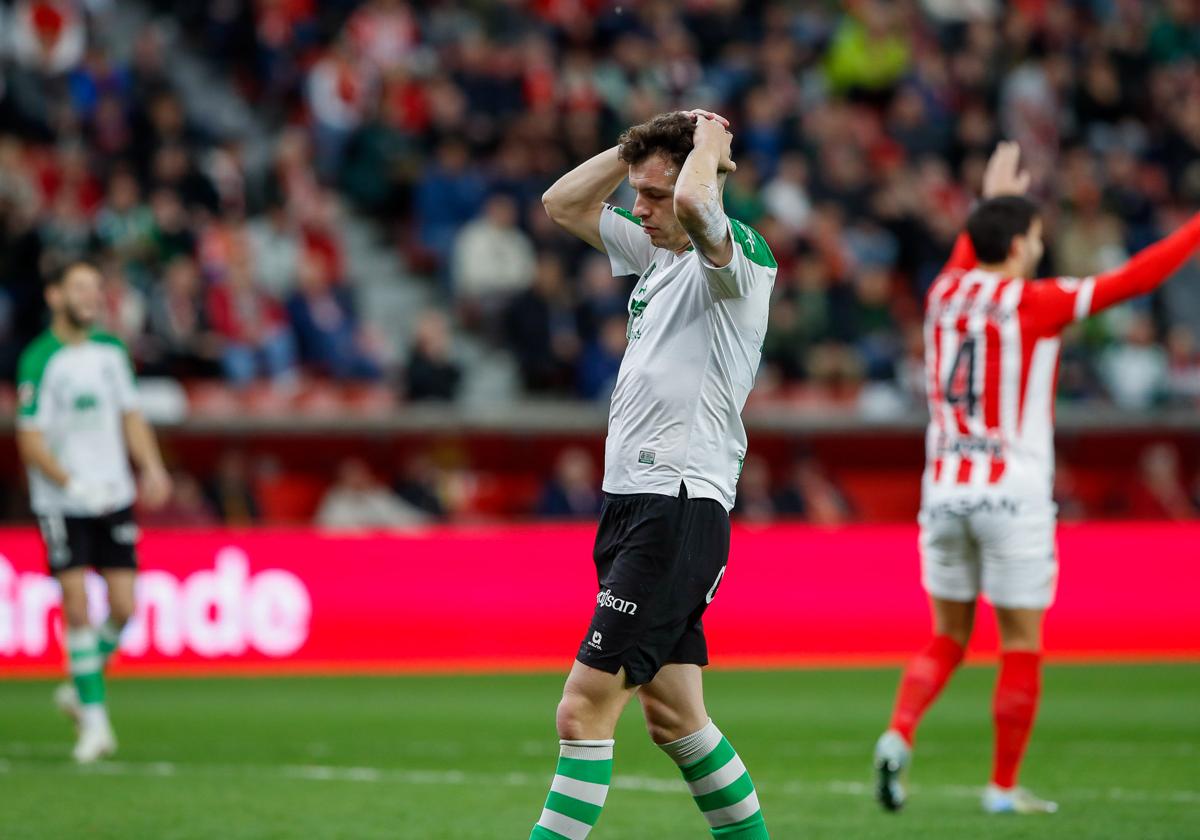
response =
{"points": [[93, 714]]}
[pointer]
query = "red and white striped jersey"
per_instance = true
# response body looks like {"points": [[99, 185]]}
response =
{"points": [[991, 359]]}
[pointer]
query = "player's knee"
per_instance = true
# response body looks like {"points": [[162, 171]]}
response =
{"points": [[577, 718], [120, 610], [665, 723], [961, 636], [662, 722], [75, 610]]}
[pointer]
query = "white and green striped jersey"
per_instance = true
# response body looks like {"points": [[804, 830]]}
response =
{"points": [[695, 339], [77, 395]]}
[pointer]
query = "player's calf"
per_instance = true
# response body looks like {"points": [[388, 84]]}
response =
{"points": [[720, 784]]}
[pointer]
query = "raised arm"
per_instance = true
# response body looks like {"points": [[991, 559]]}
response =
{"points": [[1003, 176], [576, 200], [1147, 269], [1052, 304], [698, 204]]}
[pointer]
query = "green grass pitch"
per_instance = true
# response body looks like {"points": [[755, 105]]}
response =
{"points": [[470, 757]]}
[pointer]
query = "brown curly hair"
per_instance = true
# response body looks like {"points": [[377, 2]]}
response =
{"points": [[668, 134]]}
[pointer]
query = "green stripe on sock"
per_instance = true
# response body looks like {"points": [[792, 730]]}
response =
{"points": [[597, 772], [576, 809], [715, 760], [731, 794], [540, 832], [90, 687], [751, 828]]}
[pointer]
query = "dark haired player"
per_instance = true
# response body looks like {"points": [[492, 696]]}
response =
{"points": [[697, 318], [77, 425], [987, 511]]}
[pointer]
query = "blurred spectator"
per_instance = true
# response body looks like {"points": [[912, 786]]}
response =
{"points": [[186, 507], [181, 342], [338, 92], [47, 36], [231, 490], [276, 246], [1160, 492], [754, 502], [493, 258], [786, 195], [574, 491], [432, 372], [358, 500], [1183, 367], [601, 296], [384, 32], [125, 309], [811, 495], [420, 485], [327, 331], [124, 225], [874, 327], [448, 194], [868, 53], [1135, 371], [542, 330], [600, 361], [256, 340], [170, 233]]}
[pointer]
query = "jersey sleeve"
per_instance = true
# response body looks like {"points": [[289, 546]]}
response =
{"points": [[752, 263], [32, 411], [126, 384], [1048, 306], [628, 248]]}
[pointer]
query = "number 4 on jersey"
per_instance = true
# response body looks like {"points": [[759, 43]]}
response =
{"points": [[960, 384]]}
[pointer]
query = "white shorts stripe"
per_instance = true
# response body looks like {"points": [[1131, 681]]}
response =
{"points": [[589, 792], [718, 817], [563, 825], [725, 776]]}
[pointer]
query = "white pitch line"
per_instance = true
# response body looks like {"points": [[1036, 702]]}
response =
{"points": [[456, 778]]}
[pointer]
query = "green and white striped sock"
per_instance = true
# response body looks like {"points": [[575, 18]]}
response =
{"points": [[578, 792], [86, 665], [719, 783], [108, 636]]}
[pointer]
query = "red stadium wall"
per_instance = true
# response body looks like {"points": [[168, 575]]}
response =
{"points": [[279, 601]]}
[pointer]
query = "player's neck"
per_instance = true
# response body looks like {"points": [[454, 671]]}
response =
{"points": [[68, 333], [1008, 268]]}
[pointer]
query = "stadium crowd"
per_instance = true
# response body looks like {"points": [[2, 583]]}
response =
{"points": [[861, 129]]}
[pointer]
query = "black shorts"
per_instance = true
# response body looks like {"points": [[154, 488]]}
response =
{"points": [[100, 542], [659, 561]]}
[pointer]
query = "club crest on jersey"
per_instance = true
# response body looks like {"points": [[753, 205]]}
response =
{"points": [[606, 599]]}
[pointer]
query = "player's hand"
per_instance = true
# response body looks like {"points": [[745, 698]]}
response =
{"points": [[92, 496], [156, 487], [1003, 175], [697, 113], [714, 129]]}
